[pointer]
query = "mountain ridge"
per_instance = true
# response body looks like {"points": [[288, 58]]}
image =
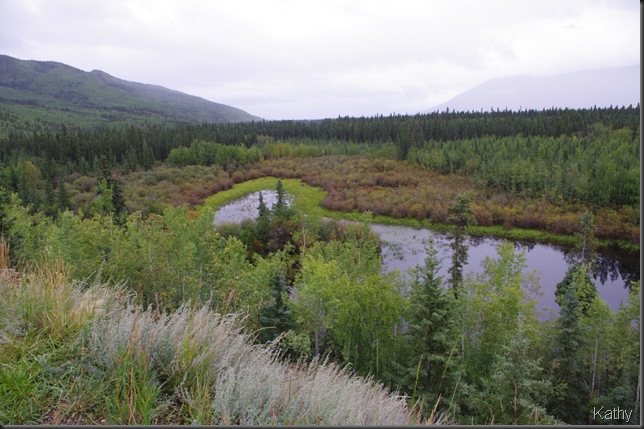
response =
{"points": [[619, 86], [52, 93]]}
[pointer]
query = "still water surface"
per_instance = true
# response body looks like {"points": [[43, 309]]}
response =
{"points": [[404, 248]]}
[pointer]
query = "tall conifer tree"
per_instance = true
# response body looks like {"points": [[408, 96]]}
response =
{"points": [[432, 371], [462, 215], [572, 402]]}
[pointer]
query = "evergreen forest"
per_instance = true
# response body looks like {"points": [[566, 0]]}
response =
{"points": [[122, 303]]}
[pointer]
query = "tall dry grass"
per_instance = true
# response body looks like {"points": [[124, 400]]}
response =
{"points": [[45, 301], [194, 365], [208, 364]]}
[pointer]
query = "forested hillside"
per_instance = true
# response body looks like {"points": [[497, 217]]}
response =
{"points": [[88, 208], [46, 94]]}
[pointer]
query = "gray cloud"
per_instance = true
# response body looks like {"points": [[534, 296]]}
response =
{"points": [[311, 59]]}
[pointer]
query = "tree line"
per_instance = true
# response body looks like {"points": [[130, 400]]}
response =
{"points": [[601, 168], [588, 156], [140, 145]]}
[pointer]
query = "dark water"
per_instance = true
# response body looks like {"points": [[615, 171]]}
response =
{"points": [[404, 248]]}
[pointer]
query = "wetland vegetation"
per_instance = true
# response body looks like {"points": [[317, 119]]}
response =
{"points": [[122, 217]]}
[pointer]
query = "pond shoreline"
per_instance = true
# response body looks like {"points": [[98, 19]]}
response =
{"points": [[309, 199], [403, 245]]}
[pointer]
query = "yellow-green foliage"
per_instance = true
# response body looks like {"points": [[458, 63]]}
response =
{"points": [[110, 361], [307, 198], [167, 259]]}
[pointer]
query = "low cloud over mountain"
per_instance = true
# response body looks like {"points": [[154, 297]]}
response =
{"points": [[583, 89]]}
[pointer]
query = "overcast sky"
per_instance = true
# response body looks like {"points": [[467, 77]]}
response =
{"points": [[309, 59]]}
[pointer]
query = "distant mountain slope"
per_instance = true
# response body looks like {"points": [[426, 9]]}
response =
{"points": [[583, 89], [54, 93]]}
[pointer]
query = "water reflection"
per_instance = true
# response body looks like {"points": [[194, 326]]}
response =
{"points": [[246, 207], [404, 248]]}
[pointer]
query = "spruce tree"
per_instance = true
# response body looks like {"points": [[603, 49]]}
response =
{"points": [[118, 200], [461, 215], [280, 208], [570, 405], [275, 317], [50, 198], [586, 241], [62, 196], [262, 225], [432, 369], [262, 209]]}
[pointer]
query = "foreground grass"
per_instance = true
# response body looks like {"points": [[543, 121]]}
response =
{"points": [[76, 353]]}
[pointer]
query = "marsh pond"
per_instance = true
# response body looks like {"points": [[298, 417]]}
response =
{"points": [[403, 248]]}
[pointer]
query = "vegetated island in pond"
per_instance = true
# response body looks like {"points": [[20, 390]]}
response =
{"points": [[403, 248], [398, 193]]}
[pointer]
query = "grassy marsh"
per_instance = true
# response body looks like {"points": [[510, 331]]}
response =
{"points": [[309, 200]]}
